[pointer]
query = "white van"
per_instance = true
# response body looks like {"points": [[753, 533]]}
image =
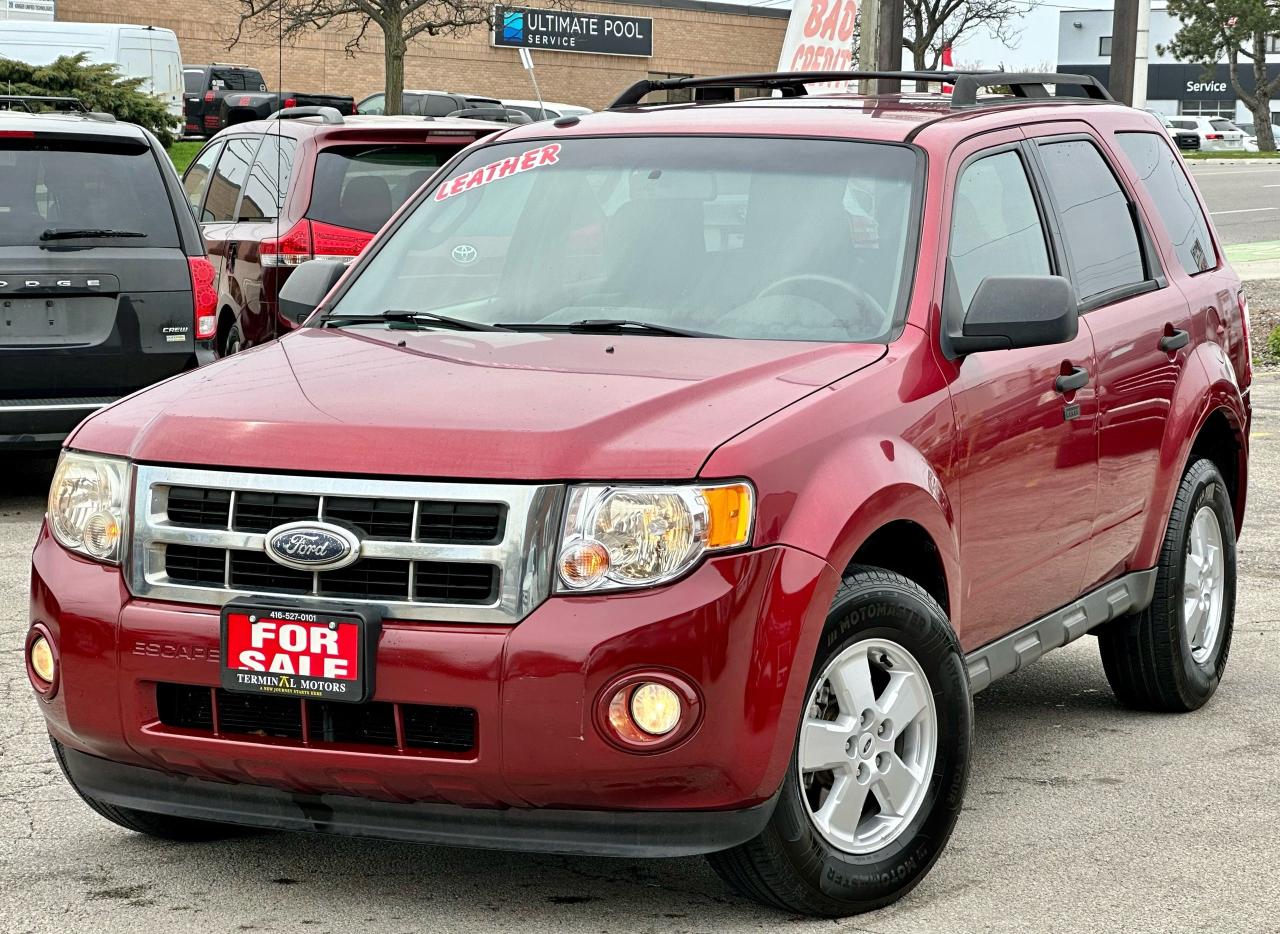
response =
{"points": [[146, 52]]}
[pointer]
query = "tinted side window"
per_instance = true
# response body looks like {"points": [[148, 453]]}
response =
{"points": [[268, 181], [1159, 169], [193, 80], [196, 181], [440, 105], [375, 105], [228, 179], [1096, 221], [995, 227]]}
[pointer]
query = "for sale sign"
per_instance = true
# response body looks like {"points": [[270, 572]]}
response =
{"points": [[297, 652], [819, 36]]}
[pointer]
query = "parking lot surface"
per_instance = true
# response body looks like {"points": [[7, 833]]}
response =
{"points": [[1244, 199], [1080, 816]]}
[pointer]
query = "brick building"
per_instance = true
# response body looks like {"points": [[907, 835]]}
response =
{"points": [[689, 37]]}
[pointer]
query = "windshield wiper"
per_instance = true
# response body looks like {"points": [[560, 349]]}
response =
{"points": [[606, 326], [411, 318], [86, 233]]}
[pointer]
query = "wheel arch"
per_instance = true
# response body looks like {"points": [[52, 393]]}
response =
{"points": [[226, 320], [1209, 417]]}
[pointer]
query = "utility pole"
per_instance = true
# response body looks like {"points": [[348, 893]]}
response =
{"points": [[1143, 42], [1124, 46], [868, 52], [888, 42]]}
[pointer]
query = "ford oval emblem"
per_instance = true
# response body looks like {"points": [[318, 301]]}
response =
{"points": [[312, 546]]}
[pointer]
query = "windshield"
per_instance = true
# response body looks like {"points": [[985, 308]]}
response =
{"points": [[790, 239], [54, 189]]}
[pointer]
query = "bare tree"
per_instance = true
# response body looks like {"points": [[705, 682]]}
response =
{"points": [[931, 25], [399, 21]]}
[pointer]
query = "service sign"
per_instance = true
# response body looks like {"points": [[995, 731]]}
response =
{"points": [[819, 36], [567, 31]]}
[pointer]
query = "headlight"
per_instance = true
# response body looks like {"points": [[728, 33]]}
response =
{"points": [[87, 504], [633, 536]]}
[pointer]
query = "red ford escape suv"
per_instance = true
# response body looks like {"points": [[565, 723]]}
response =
{"points": [[665, 481], [306, 183]]}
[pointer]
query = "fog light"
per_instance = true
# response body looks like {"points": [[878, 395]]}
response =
{"points": [[655, 708], [42, 659]]}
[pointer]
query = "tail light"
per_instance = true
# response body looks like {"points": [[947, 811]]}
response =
{"points": [[1248, 341], [243, 102], [1213, 136], [208, 97], [313, 240], [291, 102], [204, 297]]}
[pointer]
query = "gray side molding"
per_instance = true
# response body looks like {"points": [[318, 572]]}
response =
{"points": [[1006, 655]]}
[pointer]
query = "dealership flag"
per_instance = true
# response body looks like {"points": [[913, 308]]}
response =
{"points": [[819, 36]]}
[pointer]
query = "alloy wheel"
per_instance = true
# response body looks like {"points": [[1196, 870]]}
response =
{"points": [[1203, 585], [867, 746]]}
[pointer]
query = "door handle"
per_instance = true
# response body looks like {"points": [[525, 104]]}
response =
{"points": [[1070, 382], [1176, 339]]}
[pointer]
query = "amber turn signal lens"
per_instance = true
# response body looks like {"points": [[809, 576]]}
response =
{"points": [[584, 563], [42, 659], [729, 515]]}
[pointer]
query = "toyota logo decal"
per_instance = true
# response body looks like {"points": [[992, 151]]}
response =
{"points": [[464, 254]]}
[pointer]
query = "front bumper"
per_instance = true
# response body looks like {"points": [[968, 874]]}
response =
{"points": [[742, 628], [540, 830]]}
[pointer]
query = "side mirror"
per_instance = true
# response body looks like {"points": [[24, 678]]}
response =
{"points": [[307, 286], [1018, 311]]}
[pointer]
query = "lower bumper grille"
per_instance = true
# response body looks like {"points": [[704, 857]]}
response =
{"points": [[400, 727]]}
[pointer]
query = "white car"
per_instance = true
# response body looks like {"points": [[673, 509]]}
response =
{"points": [[1217, 134], [550, 110]]}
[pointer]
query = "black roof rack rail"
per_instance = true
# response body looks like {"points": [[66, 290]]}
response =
{"points": [[328, 115], [29, 102], [792, 83]]}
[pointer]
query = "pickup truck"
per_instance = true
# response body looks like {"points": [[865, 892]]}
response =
{"points": [[221, 95]]}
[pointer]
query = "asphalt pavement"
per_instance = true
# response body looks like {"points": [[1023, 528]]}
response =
{"points": [[1080, 816]]}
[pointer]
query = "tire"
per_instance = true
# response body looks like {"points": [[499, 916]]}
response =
{"points": [[162, 826], [233, 342], [796, 865], [1149, 657]]}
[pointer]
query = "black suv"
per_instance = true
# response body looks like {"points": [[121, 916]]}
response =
{"points": [[104, 283]]}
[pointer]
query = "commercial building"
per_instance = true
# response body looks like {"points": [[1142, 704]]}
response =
{"points": [[1173, 86], [581, 57]]}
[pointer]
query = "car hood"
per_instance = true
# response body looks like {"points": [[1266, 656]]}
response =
{"points": [[487, 405]]}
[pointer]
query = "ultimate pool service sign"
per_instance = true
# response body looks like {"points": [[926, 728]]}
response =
{"points": [[564, 31]]}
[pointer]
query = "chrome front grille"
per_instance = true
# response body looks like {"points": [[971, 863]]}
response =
{"points": [[462, 552]]}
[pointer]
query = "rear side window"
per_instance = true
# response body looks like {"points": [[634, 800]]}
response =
{"points": [[440, 105], [228, 180], [1223, 126], [995, 227], [193, 80], [223, 79], [196, 181], [268, 180], [1097, 224], [48, 187], [360, 188], [1159, 170]]}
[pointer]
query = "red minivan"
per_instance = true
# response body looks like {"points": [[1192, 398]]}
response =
{"points": [[307, 183], [666, 481]]}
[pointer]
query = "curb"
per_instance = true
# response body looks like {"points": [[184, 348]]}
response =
{"points": [[1229, 161]]}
